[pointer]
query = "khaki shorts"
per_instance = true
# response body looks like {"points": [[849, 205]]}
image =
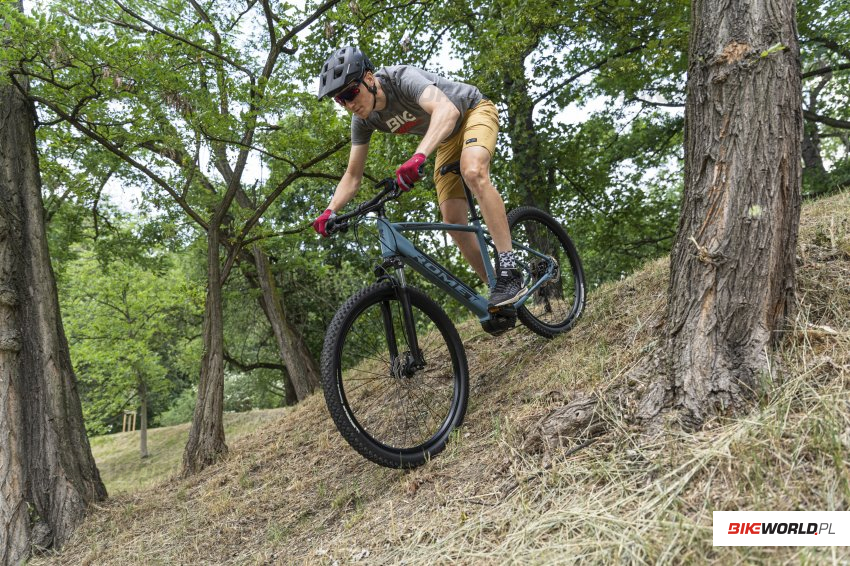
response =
{"points": [[480, 128]]}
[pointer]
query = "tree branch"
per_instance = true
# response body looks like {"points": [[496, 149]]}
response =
{"points": [[634, 245], [180, 158], [294, 31], [826, 70], [242, 366], [843, 124], [267, 10], [576, 76], [832, 45], [189, 42], [112, 147], [656, 104], [297, 174]]}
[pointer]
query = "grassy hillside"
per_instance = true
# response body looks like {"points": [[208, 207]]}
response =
{"points": [[294, 492], [122, 470]]}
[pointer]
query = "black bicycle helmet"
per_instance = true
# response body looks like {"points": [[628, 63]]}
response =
{"points": [[342, 67]]}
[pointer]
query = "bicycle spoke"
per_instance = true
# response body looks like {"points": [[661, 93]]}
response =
{"points": [[554, 303], [399, 411]]}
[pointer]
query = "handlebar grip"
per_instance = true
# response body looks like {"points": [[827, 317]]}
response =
{"points": [[333, 226], [339, 223], [330, 226]]}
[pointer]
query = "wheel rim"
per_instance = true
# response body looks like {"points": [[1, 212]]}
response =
{"points": [[555, 303], [399, 408]]}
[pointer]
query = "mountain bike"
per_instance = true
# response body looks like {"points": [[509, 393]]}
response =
{"points": [[394, 369]]}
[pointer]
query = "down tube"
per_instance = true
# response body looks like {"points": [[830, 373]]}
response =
{"points": [[393, 243]]}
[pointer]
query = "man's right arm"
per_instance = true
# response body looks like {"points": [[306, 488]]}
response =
{"points": [[350, 182]]}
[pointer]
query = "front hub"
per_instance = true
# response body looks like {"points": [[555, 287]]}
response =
{"points": [[405, 366]]}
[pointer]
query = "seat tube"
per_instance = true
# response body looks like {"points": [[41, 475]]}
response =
{"points": [[482, 243]]}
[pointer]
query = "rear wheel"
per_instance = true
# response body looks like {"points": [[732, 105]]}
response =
{"points": [[392, 409], [555, 306]]}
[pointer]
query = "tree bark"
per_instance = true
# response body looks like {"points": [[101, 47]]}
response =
{"points": [[206, 437], [529, 174], [812, 160], [732, 266], [300, 364], [48, 476], [814, 172]]}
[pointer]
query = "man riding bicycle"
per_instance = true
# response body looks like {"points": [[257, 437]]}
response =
{"points": [[452, 117]]}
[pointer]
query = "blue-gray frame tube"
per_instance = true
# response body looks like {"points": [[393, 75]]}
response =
{"points": [[395, 244]]}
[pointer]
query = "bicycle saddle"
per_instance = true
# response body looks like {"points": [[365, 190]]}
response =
{"points": [[450, 168]]}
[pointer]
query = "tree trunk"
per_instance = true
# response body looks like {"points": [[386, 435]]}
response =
{"points": [[206, 437], [48, 476], [300, 364], [815, 176], [732, 266], [527, 162], [812, 160], [143, 428], [302, 368]]}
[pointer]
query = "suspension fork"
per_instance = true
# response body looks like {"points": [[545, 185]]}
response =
{"points": [[408, 324], [389, 331], [407, 316]]}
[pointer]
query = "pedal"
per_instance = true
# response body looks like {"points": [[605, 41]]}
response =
{"points": [[506, 311], [499, 322]]}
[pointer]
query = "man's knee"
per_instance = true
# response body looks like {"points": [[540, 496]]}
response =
{"points": [[476, 176], [475, 168], [454, 211]]}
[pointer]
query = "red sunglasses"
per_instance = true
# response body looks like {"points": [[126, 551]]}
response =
{"points": [[348, 95]]}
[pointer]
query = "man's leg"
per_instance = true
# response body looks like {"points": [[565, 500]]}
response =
{"points": [[475, 169], [455, 211]]}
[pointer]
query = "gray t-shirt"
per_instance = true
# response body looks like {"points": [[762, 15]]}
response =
{"points": [[403, 86]]}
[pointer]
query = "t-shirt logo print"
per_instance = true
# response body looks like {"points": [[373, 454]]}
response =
{"points": [[402, 123]]}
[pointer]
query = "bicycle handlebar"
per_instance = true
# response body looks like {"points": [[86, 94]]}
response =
{"points": [[390, 192]]}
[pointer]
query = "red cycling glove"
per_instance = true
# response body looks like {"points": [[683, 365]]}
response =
{"points": [[320, 224], [410, 172]]}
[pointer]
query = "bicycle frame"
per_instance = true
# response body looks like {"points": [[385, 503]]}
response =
{"points": [[395, 245]]}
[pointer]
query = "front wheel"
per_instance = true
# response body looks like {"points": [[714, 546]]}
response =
{"points": [[395, 408], [542, 246]]}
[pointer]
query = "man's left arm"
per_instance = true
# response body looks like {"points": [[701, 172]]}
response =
{"points": [[444, 116]]}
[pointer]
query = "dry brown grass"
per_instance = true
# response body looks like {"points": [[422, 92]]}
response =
{"points": [[294, 492]]}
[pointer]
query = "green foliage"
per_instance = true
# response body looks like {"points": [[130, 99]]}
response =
{"points": [[126, 327], [245, 392], [824, 37], [181, 408]]}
